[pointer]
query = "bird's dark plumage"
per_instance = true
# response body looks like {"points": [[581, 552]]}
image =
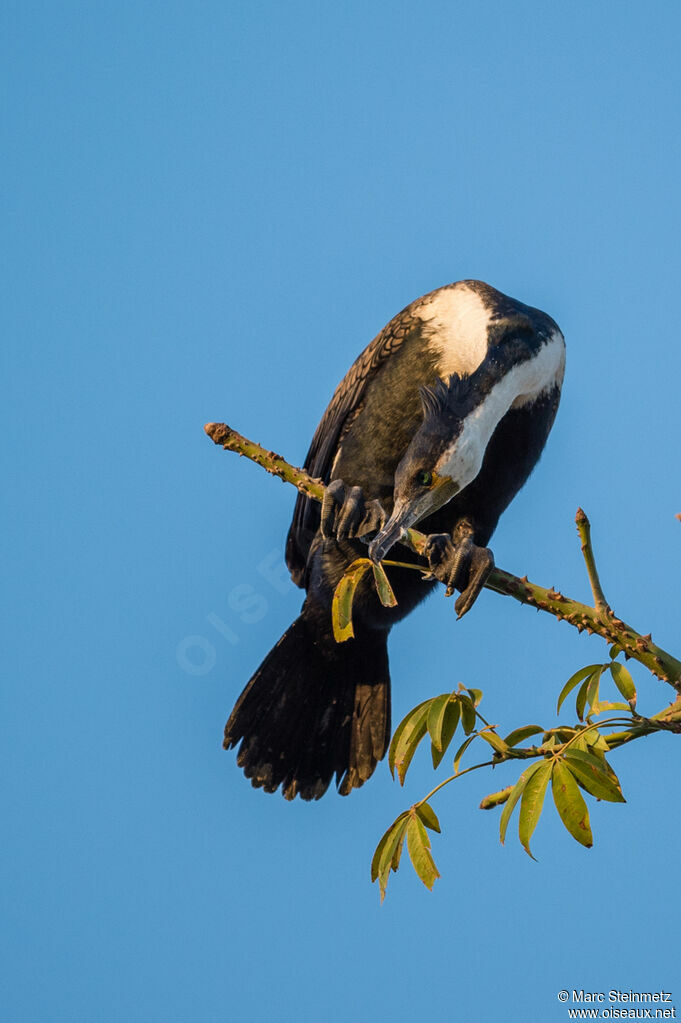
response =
{"points": [[439, 421]]}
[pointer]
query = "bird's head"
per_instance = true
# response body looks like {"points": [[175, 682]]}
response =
{"points": [[443, 457]]}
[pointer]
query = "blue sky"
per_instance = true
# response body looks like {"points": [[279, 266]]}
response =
{"points": [[209, 210]]}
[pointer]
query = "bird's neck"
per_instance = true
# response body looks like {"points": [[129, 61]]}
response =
{"points": [[503, 387]]}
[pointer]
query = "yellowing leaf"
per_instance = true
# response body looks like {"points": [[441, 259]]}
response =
{"points": [[531, 804], [595, 775], [428, 816], [436, 716], [514, 795], [418, 845], [407, 737], [389, 851], [622, 678], [447, 730], [344, 595], [383, 587], [570, 804]]}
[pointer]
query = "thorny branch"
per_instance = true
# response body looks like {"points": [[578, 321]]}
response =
{"points": [[599, 619]]}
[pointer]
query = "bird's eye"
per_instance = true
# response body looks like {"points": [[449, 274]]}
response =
{"points": [[424, 478]]}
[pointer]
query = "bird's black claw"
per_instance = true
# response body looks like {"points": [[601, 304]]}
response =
{"points": [[460, 565], [481, 564], [334, 496], [347, 515]]}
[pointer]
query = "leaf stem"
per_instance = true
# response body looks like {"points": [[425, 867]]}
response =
{"points": [[453, 777]]}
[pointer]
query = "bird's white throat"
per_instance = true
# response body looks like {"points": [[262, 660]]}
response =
{"points": [[521, 385]]}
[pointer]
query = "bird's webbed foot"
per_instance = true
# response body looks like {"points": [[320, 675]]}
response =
{"points": [[346, 514], [460, 564]]}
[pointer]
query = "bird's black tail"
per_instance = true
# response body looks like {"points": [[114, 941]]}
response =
{"points": [[314, 708]]}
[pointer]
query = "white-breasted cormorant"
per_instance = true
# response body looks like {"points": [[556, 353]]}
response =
{"points": [[439, 422]]}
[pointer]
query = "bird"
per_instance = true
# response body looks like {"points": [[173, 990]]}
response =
{"points": [[439, 421]]}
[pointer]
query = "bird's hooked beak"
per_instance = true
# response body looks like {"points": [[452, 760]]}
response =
{"points": [[406, 513], [401, 519]]}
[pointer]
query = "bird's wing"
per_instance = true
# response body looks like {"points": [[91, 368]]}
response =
{"points": [[345, 404]]}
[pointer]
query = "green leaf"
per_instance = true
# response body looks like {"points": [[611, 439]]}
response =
{"points": [[574, 681], [581, 698], [451, 720], [621, 676], [380, 849], [385, 850], [596, 742], [520, 734], [495, 741], [418, 845], [389, 851], [592, 690], [570, 804], [344, 595], [399, 732], [514, 795], [467, 714], [407, 737], [595, 775], [475, 695], [461, 750], [496, 798], [428, 816], [531, 804], [614, 651], [606, 705], [383, 587], [436, 716]]}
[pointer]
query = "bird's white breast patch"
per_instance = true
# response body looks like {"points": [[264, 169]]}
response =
{"points": [[455, 322]]}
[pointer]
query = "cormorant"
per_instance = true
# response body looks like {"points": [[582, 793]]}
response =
{"points": [[439, 422]]}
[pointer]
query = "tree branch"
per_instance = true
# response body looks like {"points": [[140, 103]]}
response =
{"points": [[584, 530], [599, 619]]}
